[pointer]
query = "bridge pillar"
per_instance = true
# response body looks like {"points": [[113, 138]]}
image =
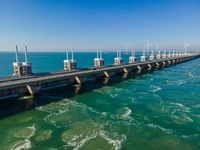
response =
{"points": [[163, 63], [105, 81], [125, 70], [77, 79], [139, 68], [32, 90], [169, 62], [157, 65], [125, 75], [106, 74], [149, 66]]}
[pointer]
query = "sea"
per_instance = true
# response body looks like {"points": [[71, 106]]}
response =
{"points": [[153, 110]]}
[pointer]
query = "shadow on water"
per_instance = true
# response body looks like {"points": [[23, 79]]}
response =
{"points": [[13, 106]]}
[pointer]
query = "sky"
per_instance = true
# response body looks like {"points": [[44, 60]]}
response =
{"points": [[53, 25]]}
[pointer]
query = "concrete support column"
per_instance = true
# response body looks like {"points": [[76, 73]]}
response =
{"points": [[125, 70], [32, 90], [106, 74], [139, 68], [157, 64], [77, 79], [125, 75], [163, 63], [149, 66], [169, 62]]}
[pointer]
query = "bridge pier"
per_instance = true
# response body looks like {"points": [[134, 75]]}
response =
{"points": [[125, 70], [139, 68], [169, 62], [163, 63], [125, 75], [149, 66], [32, 90], [106, 74], [77, 80], [157, 65]]}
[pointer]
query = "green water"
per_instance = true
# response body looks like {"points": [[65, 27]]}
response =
{"points": [[158, 110]]}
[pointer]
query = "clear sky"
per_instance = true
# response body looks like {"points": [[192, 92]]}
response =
{"points": [[87, 24]]}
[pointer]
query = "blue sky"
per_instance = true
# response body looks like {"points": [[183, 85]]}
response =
{"points": [[88, 24]]}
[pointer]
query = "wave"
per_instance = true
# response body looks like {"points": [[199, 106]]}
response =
{"points": [[127, 113], [196, 106], [181, 106], [190, 136], [57, 111], [117, 143], [169, 131], [55, 107], [156, 88], [43, 135], [113, 92], [22, 144], [182, 116], [26, 132], [190, 74], [76, 143], [176, 82]]}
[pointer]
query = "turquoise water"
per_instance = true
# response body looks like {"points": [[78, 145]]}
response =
{"points": [[157, 110]]}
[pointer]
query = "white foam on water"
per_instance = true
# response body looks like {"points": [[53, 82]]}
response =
{"points": [[192, 75], [76, 145], [22, 145], [197, 115], [177, 104], [133, 100], [87, 109], [117, 143], [32, 128], [77, 141], [169, 131], [190, 136], [196, 106], [156, 88], [23, 132], [113, 92], [182, 117], [107, 91], [181, 106], [173, 114], [50, 121], [176, 82], [188, 118], [180, 82], [104, 113], [54, 111], [127, 113], [56, 107]]}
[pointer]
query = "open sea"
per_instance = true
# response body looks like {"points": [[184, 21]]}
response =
{"points": [[153, 111]]}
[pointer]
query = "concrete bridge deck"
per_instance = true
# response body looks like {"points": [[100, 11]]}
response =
{"points": [[34, 84]]}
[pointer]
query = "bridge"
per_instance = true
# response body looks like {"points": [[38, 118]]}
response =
{"points": [[34, 84]]}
